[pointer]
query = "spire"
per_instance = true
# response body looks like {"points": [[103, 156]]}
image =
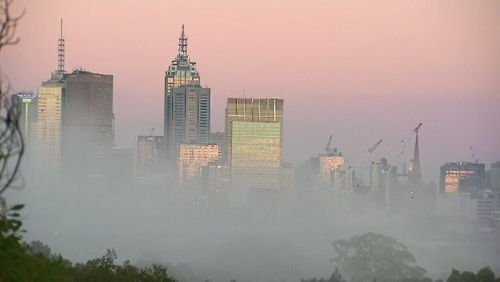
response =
{"points": [[416, 172], [60, 52], [182, 55]]}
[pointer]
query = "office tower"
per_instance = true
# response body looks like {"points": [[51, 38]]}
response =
{"points": [[190, 122], [87, 121], [330, 163], [462, 177], [192, 158], [219, 138], [383, 179], [495, 176], [182, 71], [260, 111], [150, 159], [254, 142], [216, 178], [46, 130]]}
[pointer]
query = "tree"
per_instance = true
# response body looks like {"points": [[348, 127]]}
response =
{"points": [[485, 274], [371, 256], [468, 276], [335, 277]]}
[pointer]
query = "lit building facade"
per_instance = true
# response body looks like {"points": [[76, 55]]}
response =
{"points": [[219, 138], [46, 130], [182, 71], [267, 110], [330, 165], [254, 142], [462, 177], [192, 158]]}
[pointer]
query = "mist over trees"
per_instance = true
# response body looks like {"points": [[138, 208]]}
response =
{"points": [[322, 224]]}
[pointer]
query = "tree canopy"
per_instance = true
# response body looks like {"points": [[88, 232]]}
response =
{"points": [[372, 256]]}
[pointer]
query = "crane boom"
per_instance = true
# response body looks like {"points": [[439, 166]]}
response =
{"points": [[374, 147], [417, 128], [328, 145]]}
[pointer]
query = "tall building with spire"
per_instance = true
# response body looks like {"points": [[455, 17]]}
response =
{"points": [[415, 173], [46, 131], [187, 104]]}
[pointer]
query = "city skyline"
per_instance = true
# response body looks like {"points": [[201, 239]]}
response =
{"points": [[264, 140], [466, 117]]}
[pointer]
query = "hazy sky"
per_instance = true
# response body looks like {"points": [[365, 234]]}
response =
{"points": [[363, 70]]}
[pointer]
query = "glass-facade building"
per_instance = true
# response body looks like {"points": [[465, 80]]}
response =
{"points": [[46, 130], [254, 142]]}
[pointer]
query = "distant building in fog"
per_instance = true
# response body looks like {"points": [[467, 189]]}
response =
{"points": [[254, 142], [87, 122], [383, 178], [219, 138], [331, 168], [495, 176], [462, 177], [192, 158], [150, 159]]}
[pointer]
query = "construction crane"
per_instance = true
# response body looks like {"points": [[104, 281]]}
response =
{"points": [[329, 144], [476, 160], [374, 147], [417, 128]]}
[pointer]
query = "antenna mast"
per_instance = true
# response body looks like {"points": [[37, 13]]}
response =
{"points": [[60, 51]]}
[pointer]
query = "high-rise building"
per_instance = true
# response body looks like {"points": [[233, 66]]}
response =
{"points": [[495, 176], [46, 130], [182, 71], [192, 158], [254, 142], [87, 121], [265, 110], [330, 165], [190, 122], [462, 177]]}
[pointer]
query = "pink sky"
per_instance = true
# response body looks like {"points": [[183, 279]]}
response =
{"points": [[363, 70]]}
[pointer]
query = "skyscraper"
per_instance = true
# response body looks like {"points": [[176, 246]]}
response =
{"points": [[87, 121], [190, 123], [266, 110], [150, 159], [254, 143], [46, 131], [182, 71], [462, 177]]}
